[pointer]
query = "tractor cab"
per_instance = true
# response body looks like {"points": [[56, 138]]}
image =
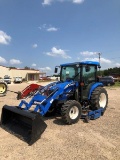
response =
{"points": [[85, 73]]}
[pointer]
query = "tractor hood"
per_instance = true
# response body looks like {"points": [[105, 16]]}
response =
{"points": [[64, 85]]}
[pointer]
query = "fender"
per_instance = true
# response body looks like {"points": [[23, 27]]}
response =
{"points": [[94, 86]]}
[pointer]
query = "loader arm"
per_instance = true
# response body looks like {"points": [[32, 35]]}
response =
{"points": [[42, 103]]}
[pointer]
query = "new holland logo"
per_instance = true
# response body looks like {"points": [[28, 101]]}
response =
{"points": [[68, 85]]}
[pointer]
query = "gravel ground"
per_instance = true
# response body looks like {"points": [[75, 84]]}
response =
{"points": [[97, 140]]}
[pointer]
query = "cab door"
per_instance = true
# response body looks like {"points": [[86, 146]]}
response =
{"points": [[88, 76]]}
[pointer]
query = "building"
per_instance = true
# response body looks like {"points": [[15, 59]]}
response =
{"points": [[4, 71], [26, 74]]}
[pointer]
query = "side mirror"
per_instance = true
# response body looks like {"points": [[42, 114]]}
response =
{"points": [[56, 70], [87, 68]]}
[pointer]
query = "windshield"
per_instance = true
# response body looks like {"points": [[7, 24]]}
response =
{"points": [[70, 72], [6, 77]]}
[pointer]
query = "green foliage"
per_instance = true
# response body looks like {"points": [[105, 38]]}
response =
{"points": [[112, 71], [117, 84], [26, 67], [100, 73], [12, 67]]}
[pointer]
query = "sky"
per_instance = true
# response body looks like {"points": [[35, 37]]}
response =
{"points": [[42, 34]]}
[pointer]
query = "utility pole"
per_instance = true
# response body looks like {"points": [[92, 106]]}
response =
{"points": [[99, 54]]}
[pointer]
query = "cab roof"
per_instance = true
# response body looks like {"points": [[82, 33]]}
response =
{"points": [[83, 63]]}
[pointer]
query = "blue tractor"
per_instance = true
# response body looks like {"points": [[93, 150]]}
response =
{"points": [[78, 94]]}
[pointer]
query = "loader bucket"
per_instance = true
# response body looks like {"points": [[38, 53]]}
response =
{"points": [[26, 125]]}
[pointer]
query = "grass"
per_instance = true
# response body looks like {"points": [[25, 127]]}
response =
{"points": [[117, 84]]}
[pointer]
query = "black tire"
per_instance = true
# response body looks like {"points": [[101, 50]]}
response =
{"points": [[71, 112], [52, 110], [99, 98], [3, 88], [18, 95]]}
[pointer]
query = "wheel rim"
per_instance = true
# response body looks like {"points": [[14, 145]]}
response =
{"points": [[2, 88], [102, 100], [74, 112]]}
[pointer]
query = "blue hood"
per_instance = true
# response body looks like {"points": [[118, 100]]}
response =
{"points": [[64, 85]]}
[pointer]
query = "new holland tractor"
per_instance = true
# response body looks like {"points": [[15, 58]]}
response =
{"points": [[78, 94]]}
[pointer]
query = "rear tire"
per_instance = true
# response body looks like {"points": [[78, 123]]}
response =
{"points": [[71, 112], [99, 98], [3, 88]]}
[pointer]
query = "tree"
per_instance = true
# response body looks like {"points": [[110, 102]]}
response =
{"points": [[26, 67], [112, 71], [12, 67]]}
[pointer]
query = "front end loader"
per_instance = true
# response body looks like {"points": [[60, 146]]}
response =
{"points": [[77, 95]]}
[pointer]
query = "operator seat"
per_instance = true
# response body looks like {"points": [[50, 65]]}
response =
{"points": [[86, 90]]}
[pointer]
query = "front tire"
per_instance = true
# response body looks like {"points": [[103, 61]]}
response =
{"points": [[99, 98], [71, 112], [50, 112]]}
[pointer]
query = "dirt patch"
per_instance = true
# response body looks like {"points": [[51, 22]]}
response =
{"points": [[99, 139]]}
